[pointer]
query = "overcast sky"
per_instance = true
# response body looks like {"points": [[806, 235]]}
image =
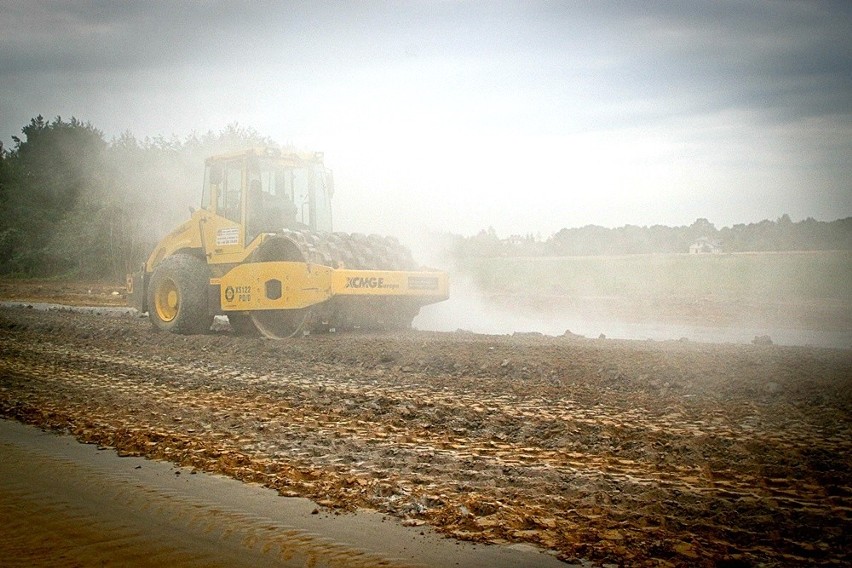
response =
{"points": [[455, 116]]}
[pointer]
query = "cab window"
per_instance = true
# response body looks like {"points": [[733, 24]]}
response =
{"points": [[212, 179], [228, 202]]}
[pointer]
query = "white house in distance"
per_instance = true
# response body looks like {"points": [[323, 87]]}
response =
{"points": [[705, 245]]}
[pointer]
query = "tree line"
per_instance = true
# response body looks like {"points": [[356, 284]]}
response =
{"points": [[783, 234], [73, 204]]}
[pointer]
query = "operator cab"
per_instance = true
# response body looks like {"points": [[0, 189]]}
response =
{"points": [[266, 191]]}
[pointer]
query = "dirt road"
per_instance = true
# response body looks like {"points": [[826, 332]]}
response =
{"points": [[628, 452]]}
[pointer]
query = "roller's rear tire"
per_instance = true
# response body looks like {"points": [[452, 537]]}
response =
{"points": [[177, 295]]}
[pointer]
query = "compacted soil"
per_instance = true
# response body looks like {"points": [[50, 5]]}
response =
{"points": [[622, 452]]}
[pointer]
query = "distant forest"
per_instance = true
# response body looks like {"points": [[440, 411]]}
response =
{"points": [[782, 234], [73, 204]]}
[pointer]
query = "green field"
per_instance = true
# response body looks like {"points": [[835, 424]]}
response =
{"points": [[767, 277]]}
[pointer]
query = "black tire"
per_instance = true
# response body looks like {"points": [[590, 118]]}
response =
{"points": [[177, 295]]}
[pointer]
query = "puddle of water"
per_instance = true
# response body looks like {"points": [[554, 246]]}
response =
{"points": [[65, 503]]}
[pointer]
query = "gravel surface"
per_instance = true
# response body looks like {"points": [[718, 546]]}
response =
{"points": [[632, 452]]}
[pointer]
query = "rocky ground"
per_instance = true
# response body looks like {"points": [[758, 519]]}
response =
{"points": [[631, 452]]}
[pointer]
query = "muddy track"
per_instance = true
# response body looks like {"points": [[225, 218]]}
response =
{"points": [[634, 452]]}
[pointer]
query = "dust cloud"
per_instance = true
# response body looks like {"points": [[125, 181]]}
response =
{"points": [[640, 297], [470, 310]]}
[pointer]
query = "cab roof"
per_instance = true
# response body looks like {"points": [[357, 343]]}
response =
{"points": [[270, 153]]}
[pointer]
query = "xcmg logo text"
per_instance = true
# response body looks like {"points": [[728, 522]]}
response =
{"points": [[368, 282]]}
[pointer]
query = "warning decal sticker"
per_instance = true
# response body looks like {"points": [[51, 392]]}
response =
{"points": [[228, 236]]}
